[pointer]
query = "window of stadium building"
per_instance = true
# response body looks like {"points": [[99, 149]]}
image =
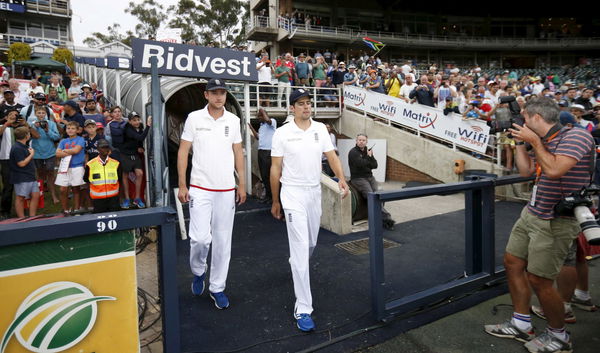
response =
{"points": [[17, 28], [51, 31], [34, 29]]}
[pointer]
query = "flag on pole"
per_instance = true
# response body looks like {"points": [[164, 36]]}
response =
{"points": [[373, 44]]}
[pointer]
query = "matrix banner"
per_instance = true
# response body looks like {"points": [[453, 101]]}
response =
{"points": [[471, 134], [69, 295], [193, 61]]}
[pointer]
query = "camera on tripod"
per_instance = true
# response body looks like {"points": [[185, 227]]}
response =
{"points": [[577, 204], [515, 112]]}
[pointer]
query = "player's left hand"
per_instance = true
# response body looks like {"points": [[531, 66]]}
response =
{"points": [[240, 196], [523, 133], [343, 188]]}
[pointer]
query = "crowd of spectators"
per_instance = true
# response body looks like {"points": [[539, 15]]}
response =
{"points": [[49, 132], [471, 93]]}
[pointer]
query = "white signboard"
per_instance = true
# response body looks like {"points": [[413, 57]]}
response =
{"points": [[169, 35], [471, 134], [379, 152]]}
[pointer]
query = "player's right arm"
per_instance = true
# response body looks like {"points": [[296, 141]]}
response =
{"points": [[182, 162], [276, 163]]}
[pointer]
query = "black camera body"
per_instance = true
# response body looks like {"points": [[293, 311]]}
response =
{"points": [[515, 112], [44, 124], [577, 205]]}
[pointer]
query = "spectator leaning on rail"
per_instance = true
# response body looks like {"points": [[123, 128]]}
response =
{"points": [[351, 77], [423, 93], [541, 238]]}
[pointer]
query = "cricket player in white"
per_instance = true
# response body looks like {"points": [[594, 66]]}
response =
{"points": [[296, 163], [214, 134]]}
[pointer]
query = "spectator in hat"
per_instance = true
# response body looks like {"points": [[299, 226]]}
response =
{"points": [[38, 100], [72, 112], [34, 87], [337, 75], [351, 77], [61, 90], [85, 91], [44, 144], [375, 83], [135, 134], [265, 76], [302, 71], [101, 172], [578, 112], [75, 88], [9, 103], [586, 100]]}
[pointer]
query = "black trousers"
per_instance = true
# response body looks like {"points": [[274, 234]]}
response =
{"points": [[367, 185], [264, 165], [7, 188], [110, 204]]}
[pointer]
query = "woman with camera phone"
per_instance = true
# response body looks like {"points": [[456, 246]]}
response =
{"points": [[45, 148]]}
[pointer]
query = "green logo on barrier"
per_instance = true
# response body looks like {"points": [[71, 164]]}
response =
{"points": [[54, 318]]}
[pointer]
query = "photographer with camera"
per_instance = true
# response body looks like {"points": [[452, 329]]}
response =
{"points": [[473, 112], [45, 148], [561, 159]]}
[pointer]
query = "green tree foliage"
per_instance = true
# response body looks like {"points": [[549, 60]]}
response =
{"points": [[18, 51], [151, 16], [113, 34], [63, 55], [218, 22]]}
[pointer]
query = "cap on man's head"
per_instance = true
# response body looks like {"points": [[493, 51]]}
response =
{"points": [[39, 96], [342, 63], [578, 107], [9, 92], [86, 86], [99, 125], [102, 143], [297, 94], [302, 55], [215, 83], [351, 66], [71, 104], [567, 118], [89, 122], [133, 115]]}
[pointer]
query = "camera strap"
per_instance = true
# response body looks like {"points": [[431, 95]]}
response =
{"points": [[552, 133]]}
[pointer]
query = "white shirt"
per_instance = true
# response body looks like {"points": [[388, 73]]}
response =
{"points": [[301, 151], [264, 74], [6, 143], [406, 89], [212, 147]]}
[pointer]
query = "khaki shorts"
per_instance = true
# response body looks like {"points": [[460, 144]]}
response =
{"points": [[544, 244]]}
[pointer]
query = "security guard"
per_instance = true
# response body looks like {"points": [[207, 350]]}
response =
{"points": [[214, 133], [102, 173], [296, 164]]}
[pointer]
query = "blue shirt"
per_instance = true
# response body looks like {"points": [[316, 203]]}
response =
{"points": [[68, 143], [25, 174], [302, 69], [265, 134], [44, 146], [349, 77]]}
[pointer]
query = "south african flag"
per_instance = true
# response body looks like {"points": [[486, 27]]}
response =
{"points": [[373, 44]]}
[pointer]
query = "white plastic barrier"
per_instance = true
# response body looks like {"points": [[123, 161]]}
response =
{"points": [[471, 134]]}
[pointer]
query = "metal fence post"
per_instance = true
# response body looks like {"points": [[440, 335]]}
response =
{"points": [[157, 140], [488, 229], [169, 293], [473, 234], [376, 256]]}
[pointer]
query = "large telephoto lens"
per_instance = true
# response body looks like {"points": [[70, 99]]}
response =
{"points": [[589, 226]]}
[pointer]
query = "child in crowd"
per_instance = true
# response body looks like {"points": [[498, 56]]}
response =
{"points": [[91, 137], [22, 173], [135, 134], [102, 172], [70, 171], [45, 148]]}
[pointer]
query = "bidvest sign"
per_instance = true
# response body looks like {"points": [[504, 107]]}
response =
{"points": [[193, 61], [115, 62], [471, 134], [69, 295]]}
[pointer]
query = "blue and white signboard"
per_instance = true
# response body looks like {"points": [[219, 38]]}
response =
{"points": [[115, 62], [193, 61], [13, 6], [100, 62]]}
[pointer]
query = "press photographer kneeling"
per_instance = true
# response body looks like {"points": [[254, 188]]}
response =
{"points": [[560, 158]]}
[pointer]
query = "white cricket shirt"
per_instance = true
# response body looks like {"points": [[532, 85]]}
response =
{"points": [[301, 151], [212, 146]]}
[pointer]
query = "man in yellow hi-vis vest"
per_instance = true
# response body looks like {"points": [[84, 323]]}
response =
{"points": [[102, 173]]}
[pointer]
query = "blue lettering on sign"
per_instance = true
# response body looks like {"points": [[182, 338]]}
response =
{"points": [[424, 120], [473, 136], [387, 109], [12, 7]]}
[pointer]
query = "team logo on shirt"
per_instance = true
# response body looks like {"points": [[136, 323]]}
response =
{"points": [[290, 216], [226, 131], [316, 137]]}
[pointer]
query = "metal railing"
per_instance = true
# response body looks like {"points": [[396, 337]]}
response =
{"points": [[53, 7], [16, 38], [326, 101], [426, 39], [480, 250]]}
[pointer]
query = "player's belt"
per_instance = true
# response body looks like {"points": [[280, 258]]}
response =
{"points": [[213, 190]]}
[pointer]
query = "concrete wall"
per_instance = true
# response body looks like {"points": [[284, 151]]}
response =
{"points": [[424, 155], [337, 212]]}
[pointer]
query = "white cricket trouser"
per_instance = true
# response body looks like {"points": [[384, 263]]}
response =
{"points": [[302, 207], [283, 87], [211, 221]]}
